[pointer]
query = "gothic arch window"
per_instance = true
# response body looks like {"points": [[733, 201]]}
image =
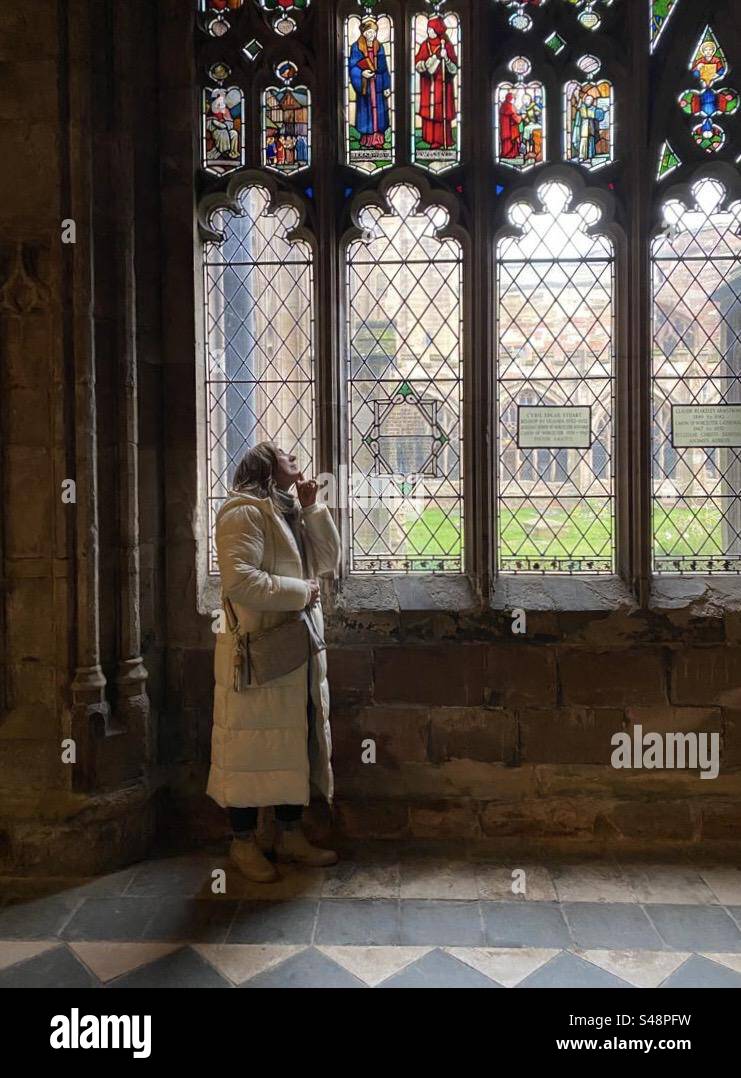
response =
{"points": [[434, 265], [555, 298], [404, 284], [259, 333], [697, 382]]}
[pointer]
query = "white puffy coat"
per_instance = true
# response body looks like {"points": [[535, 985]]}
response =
{"points": [[259, 750]]}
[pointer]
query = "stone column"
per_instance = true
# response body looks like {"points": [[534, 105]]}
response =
{"points": [[132, 709], [90, 711]]}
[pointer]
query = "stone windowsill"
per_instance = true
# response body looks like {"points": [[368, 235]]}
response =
{"points": [[702, 596]]}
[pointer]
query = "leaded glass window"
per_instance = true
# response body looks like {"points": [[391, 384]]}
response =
{"points": [[697, 384], [555, 307], [258, 284], [404, 388]]}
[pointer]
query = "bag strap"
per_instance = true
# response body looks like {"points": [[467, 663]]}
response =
{"points": [[241, 658]]}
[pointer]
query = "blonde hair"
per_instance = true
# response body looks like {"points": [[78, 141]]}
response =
{"points": [[256, 470]]}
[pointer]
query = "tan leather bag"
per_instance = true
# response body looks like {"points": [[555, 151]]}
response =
{"points": [[263, 657]]}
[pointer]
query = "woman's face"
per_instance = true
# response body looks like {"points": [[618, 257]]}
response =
{"points": [[287, 470]]}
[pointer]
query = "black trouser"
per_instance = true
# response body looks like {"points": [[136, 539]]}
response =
{"points": [[245, 819]]}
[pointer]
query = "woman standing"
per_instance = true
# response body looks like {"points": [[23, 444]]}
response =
{"points": [[271, 741]]}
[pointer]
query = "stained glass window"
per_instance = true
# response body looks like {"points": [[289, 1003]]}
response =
{"points": [[660, 11], [369, 92], [708, 65], [520, 12], [589, 12], [555, 388], [286, 123], [436, 66], [668, 160], [589, 113], [222, 134], [259, 338], [697, 384], [282, 13], [520, 119], [404, 340]]}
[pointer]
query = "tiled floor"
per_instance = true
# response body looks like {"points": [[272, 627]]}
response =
{"points": [[193, 922]]}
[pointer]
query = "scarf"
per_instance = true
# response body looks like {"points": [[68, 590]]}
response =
{"points": [[290, 507]]}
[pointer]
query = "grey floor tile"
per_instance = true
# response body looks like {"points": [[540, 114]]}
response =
{"points": [[362, 921], [438, 970], [696, 928], [116, 919], [41, 918], [191, 920], [177, 877], [53, 969], [699, 972], [310, 969], [531, 924], [274, 922], [570, 971], [183, 969], [612, 926], [444, 923]]}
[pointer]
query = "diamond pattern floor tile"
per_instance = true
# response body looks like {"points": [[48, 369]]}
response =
{"points": [[109, 960], [644, 969], [374, 964], [13, 951], [699, 972], [506, 966], [570, 971], [56, 968], [182, 969], [240, 961], [437, 969], [310, 969]]}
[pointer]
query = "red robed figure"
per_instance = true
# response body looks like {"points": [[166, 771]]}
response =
{"points": [[437, 98]]}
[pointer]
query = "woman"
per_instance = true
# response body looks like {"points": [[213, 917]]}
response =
{"points": [[271, 742]]}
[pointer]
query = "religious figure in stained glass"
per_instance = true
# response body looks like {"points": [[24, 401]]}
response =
{"points": [[369, 91], [436, 44], [223, 147], [588, 117], [520, 119], [286, 123], [709, 64]]}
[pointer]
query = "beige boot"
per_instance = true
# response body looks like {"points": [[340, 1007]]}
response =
{"points": [[293, 845], [251, 861]]}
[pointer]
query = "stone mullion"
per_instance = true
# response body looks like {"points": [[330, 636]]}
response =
{"points": [[633, 459]]}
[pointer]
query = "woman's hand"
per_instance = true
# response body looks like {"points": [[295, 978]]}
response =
{"points": [[306, 490], [314, 596]]}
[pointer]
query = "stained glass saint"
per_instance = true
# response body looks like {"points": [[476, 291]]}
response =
{"points": [[588, 117], [369, 99], [520, 119], [223, 147], [436, 47], [709, 64]]}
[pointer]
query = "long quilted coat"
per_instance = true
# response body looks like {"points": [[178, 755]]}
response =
{"points": [[264, 751]]}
